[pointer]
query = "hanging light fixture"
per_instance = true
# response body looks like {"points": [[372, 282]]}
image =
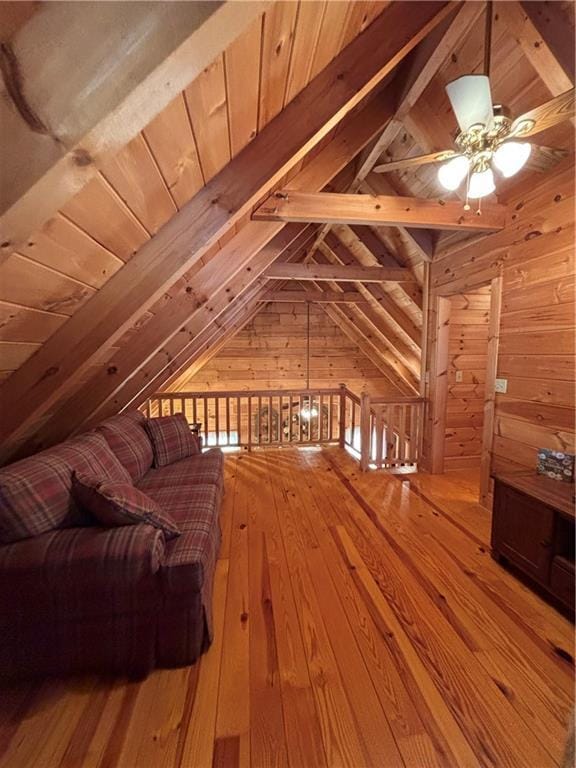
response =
{"points": [[308, 410], [484, 130]]}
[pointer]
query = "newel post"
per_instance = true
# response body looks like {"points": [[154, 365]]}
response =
{"points": [[342, 417], [365, 436]]}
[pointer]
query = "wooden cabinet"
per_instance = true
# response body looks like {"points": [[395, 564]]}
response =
{"points": [[533, 529]]}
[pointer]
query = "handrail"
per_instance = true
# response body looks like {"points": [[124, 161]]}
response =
{"points": [[383, 432]]}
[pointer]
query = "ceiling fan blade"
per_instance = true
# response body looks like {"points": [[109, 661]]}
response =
{"points": [[471, 100], [544, 158], [407, 162], [550, 113]]}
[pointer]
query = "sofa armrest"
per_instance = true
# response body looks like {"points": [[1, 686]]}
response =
{"points": [[84, 560]]}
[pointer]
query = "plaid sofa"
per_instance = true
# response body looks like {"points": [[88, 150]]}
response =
{"points": [[76, 597]]}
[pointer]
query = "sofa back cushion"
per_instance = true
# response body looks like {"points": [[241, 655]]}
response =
{"points": [[172, 439], [35, 493], [128, 439], [116, 504]]}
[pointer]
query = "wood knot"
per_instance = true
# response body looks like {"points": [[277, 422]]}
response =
{"points": [[557, 198], [533, 234], [111, 370], [82, 157], [189, 289], [244, 617]]}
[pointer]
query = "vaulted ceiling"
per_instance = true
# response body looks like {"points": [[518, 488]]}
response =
{"points": [[129, 251]]}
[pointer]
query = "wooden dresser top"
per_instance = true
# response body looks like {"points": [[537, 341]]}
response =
{"points": [[551, 492]]}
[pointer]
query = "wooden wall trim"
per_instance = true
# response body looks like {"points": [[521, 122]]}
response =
{"points": [[496, 287]]}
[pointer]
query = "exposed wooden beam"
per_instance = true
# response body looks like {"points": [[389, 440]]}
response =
{"points": [[400, 355], [378, 210], [547, 39], [324, 272], [367, 342], [321, 297], [415, 74], [109, 386], [400, 318], [223, 276], [58, 366], [112, 68], [423, 240]]}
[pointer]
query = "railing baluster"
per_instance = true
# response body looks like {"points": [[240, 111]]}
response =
{"points": [[389, 435]]}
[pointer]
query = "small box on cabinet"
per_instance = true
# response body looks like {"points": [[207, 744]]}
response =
{"points": [[556, 464]]}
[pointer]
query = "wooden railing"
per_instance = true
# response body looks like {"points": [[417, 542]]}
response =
{"points": [[390, 431], [256, 418], [381, 433]]}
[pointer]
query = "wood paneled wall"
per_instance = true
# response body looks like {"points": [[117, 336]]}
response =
{"points": [[535, 257], [270, 352], [467, 355]]}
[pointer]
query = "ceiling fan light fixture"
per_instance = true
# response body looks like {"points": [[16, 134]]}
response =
{"points": [[481, 183], [452, 174], [511, 156]]}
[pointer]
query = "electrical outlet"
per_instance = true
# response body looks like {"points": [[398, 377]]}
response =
{"points": [[459, 377], [501, 386]]}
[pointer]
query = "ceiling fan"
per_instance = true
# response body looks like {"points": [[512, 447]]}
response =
{"points": [[488, 137]]}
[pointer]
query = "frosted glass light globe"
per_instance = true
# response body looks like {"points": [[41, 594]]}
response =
{"points": [[481, 183], [511, 156], [451, 174]]}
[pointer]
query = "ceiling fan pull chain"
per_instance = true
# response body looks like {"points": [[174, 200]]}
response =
{"points": [[467, 204]]}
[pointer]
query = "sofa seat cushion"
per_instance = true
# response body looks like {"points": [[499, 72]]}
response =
{"points": [[203, 469], [191, 556], [35, 493], [129, 440], [171, 439], [118, 504]]}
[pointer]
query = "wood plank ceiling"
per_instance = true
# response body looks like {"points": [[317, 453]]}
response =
{"points": [[80, 252]]}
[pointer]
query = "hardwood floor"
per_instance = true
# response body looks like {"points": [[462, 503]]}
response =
{"points": [[360, 621]]}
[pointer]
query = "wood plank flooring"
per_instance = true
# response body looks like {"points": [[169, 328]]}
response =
{"points": [[360, 621]]}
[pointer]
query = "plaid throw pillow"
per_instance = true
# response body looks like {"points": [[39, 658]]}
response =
{"points": [[171, 439], [129, 442], [115, 504]]}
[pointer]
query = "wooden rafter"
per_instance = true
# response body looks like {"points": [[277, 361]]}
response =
{"points": [[415, 75], [400, 355], [129, 61], [58, 366], [171, 320], [324, 272], [380, 210], [546, 38], [320, 297], [358, 332], [104, 391], [400, 318], [422, 240]]}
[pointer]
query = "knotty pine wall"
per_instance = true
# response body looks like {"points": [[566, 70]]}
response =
{"points": [[270, 353], [467, 355], [535, 257]]}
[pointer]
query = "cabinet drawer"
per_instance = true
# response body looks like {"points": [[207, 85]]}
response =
{"points": [[523, 530], [562, 581]]}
